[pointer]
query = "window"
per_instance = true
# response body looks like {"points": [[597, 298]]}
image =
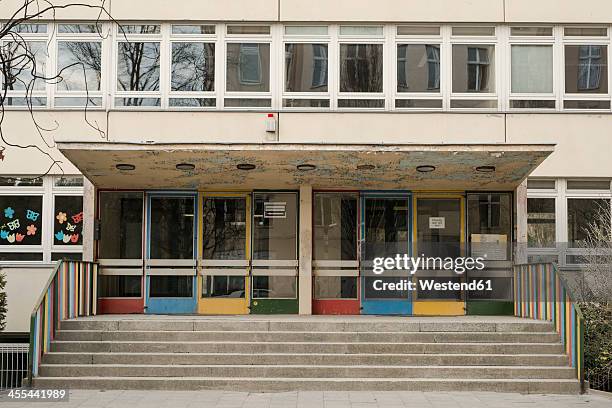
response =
{"points": [[581, 212], [478, 69], [171, 286], [473, 76], [586, 76], [306, 67], [192, 82], [225, 228], [120, 225], [172, 228], [335, 287], [138, 67], [361, 68], [224, 287], [275, 226], [335, 226], [418, 68], [68, 223], [119, 286], [490, 225], [21, 220], [541, 222], [79, 66], [532, 68], [248, 70], [274, 287], [25, 54]]}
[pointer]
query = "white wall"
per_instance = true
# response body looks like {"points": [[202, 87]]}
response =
{"points": [[23, 287]]}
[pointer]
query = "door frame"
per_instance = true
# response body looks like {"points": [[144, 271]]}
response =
{"points": [[279, 267], [384, 306], [440, 307], [224, 306], [170, 305]]}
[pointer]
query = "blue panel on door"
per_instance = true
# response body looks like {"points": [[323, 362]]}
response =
{"points": [[388, 217], [171, 305]]}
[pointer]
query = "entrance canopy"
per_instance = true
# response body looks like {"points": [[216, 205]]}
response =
{"points": [[377, 167]]}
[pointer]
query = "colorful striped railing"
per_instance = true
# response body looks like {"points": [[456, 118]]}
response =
{"points": [[540, 293], [70, 292]]}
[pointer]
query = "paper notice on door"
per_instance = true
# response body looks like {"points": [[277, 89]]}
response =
{"points": [[437, 223], [493, 247]]}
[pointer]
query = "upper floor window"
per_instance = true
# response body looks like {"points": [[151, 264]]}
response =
{"points": [[361, 68], [138, 66], [418, 68]]}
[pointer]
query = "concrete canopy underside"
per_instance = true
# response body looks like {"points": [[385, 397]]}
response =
{"points": [[276, 165]]}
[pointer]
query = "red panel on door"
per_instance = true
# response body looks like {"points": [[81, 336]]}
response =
{"points": [[336, 307], [120, 306]]}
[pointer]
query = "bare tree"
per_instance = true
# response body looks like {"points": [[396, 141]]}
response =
{"points": [[22, 69]]}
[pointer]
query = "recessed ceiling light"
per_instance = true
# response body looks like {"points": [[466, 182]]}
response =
{"points": [[366, 167], [246, 166], [125, 166], [427, 168], [485, 169], [185, 166], [306, 167]]}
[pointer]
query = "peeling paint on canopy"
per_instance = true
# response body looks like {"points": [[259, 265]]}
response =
{"points": [[336, 165]]}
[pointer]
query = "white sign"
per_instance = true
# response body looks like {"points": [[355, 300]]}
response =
{"points": [[437, 223], [275, 210]]}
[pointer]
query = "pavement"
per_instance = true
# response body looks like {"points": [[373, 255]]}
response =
{"points": [[314, 399]]}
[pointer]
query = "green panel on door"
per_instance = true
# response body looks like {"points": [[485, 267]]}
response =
{"points": [[490, 308], [275, 306]]}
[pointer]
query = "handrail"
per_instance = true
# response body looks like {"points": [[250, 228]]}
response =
{"points": [[540, 293], [71, 291]]}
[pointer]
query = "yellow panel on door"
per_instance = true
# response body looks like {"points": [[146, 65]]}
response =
{"points": [[438, 308], [223, 306]]}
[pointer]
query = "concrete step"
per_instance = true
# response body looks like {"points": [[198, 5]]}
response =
{"points": [[297, 336], [305, 347], [397, 325], [538, 386], [306, 359], [303, 371]]}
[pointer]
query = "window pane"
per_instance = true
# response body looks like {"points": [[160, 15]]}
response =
{"points": [[223, 286], [27, 28], [120, 225], [306, 30], [531, 104], [433, 240], [387, 231], [21, 256], [21, 181], [473, 68], [306, 67], [171, 286], [248, 67], [306, 103], [78, 29], [119, 286], [248, 29], [418, 68], [193, 29], [275, 226], [361, 68], [586, 69], [139, 29], [21, 220], [138, 66], [489, 225], [375, 31], [152, 102], [172, 227], [597, 104], [361, 103], [541, 184], [419, 103], [69, 181], [335, 287], [274, 287], [541, 222], [225, 227], [79, 65], [192, 102], [588, 185], [532, 68], [490, 31], [20, 72], [68, 220], [335, 227], [531, 31], [193, 66], [580, 213], [247, 103], [586, 31], [73, 256], [418, 30], [473, 104]]}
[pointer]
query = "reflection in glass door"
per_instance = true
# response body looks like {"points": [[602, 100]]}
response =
{"points": [[274, 258], [439, 233], [224, 272], [385, 233], [170, 263]]}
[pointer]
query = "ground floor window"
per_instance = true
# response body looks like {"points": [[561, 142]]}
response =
{"points": [[335, 287], [274, 287], [223, 286], [119, 286], [170, 286]]}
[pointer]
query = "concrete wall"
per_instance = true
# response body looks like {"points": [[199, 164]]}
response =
{"points": [[515, 11], [23, 286]]}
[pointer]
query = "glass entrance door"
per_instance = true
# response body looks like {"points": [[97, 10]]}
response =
{"points": [[439, 233], [170, 263], [225, 252], [385, 233], [274, 253]]}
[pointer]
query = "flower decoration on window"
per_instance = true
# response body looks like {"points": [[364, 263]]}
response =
{"points": [[31, 229], [61, 217], [19, 237], [9, 212], [4, 234]]}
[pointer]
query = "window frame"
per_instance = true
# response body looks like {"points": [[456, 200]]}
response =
{"points": [[307, 39], [499, 63], [533, 40], [66, 192], [419, 40], [584, 41]]}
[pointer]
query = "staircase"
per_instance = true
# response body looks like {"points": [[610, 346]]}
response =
{"points": [[275, 353]]}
